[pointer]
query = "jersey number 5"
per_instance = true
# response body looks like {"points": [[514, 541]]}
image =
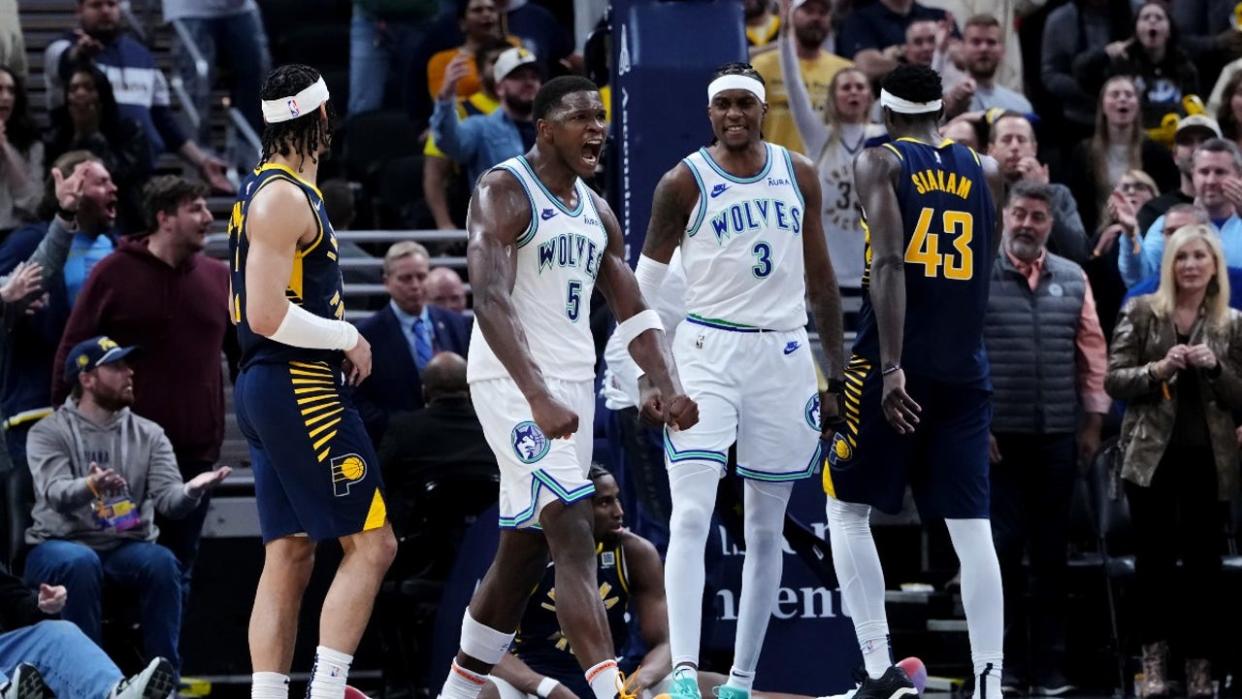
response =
{"points": [[573, 300], [924, 247]]}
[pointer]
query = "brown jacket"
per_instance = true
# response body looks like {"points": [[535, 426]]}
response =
{"points": [[1141, 338]]}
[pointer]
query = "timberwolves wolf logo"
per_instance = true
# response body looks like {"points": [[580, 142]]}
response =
{"points": [[528, 442], [812, 413], [346, 471]]}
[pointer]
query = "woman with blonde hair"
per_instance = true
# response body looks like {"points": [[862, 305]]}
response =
{"points": [[833, 141], [1118, 145], [1175, 361]]}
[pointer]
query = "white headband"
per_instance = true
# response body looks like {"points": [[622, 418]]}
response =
{"points": [[286, 108], [902, 106], [736, 82]]}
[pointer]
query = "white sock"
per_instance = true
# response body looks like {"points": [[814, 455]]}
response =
{"points": [[462, 683], [693, 489], [861, 580], [329, 674], [983, 600], [603, 678], [739, 679], [764, 511], [269, 685]]}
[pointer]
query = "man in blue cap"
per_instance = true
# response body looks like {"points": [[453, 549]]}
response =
{"points": [[100, 475]]}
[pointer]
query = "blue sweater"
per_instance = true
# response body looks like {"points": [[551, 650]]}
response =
{"points": [[140, 87], [33, 340]]}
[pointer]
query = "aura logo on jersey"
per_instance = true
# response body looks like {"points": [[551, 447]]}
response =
{"points": [[347, 470], [749, 216], [528, 442]]}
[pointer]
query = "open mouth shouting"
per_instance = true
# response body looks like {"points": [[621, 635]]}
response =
{"points": [[591, 151]]}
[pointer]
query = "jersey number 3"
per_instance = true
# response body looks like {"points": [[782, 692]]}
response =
{"points": [[924, 247]]}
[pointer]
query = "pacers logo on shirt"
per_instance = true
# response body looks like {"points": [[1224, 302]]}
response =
{"points": [[529, 443], [347, 470]]}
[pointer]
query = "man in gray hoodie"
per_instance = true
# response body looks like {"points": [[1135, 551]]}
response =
{"points": [[100, 475]]}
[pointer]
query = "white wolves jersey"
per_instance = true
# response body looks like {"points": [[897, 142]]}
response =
{"points": [[558, 258], [742, 252]]}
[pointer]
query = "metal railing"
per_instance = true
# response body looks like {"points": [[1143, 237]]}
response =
{"points": [[217, 246], [202, 71]]}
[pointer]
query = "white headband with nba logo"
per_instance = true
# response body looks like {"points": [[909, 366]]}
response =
{"points": [[288, 108], [904, 106], [734, 81]]}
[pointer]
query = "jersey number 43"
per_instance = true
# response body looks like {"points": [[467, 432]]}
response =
{"points": [[924, 247]]}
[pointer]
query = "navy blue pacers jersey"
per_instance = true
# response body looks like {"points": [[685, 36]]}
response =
{"points": [[314, 284], [542, 645], [948, 221]]}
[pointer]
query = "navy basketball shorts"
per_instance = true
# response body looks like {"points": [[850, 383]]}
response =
{"points": [[315, 470], [945, 461]]}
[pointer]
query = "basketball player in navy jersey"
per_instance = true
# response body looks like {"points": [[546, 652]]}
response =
{"points": [[315, 471], [917, 388], [540, 242]]}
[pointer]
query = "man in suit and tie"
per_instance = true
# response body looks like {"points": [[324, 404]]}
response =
{"points": [[404, 336]]}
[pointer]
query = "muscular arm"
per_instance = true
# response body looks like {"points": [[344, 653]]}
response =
{"points": [[821, 279], [875, 175], [646, 576], [671, 208], [277, 220], [499, 213], [617, 283]]}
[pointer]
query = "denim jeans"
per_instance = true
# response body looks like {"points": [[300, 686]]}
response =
{"points": [[71, 663], [237, 42], [380, 55], [143, 566]]}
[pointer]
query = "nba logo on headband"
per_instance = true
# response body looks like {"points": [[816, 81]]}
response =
{"points": [[293, 108]]}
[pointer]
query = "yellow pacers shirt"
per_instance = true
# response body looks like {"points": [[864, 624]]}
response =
{"points": [[778, 126]]}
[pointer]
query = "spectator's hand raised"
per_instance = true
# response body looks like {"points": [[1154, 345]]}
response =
{"points": [[52, 598], [458, 68], [206, 481], [1031, 170], [959, 97], [85, 46], [69, 189], [25, 279], [213, 170], [1118, 48], [105, 480], [1108, 238]]}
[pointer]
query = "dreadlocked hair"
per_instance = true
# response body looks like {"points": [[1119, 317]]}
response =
{"points": [[739, 69], [303, 135]]}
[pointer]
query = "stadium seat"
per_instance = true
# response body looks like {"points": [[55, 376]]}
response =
{"points": [[398, 201], [374, 138]]}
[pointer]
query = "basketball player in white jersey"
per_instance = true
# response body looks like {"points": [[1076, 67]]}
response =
{"points": [[750, 254], [539, 242]]}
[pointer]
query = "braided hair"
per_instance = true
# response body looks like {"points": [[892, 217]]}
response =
{"points": [[304, 135], [739, 69]]}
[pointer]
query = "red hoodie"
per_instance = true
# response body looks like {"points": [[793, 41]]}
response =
{"points": [[179, 317]]}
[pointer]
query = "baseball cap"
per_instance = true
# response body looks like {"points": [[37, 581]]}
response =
{"points": [[93, 353], [511, 60], [1200, 121], [799, 3]]}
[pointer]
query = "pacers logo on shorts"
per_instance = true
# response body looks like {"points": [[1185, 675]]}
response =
{"points": [[346, 471], [528, 442], [841, 450], [812, 412]]}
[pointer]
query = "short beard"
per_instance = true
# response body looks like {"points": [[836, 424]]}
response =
{"points": [[519, 108], [810, 38], [113, 403]]}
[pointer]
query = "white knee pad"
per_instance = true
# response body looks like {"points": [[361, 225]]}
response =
{"points": [[483, 643]]}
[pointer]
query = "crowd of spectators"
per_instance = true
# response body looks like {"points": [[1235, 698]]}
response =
{"points": [[1115, 123]]}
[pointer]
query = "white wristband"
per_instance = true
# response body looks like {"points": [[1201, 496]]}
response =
{"points": [[650, 275], [546, 685], [301, 328], [636, 325]]}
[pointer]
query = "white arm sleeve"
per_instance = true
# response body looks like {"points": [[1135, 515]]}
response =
{"points": [[650, 275], [301, 328]]}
